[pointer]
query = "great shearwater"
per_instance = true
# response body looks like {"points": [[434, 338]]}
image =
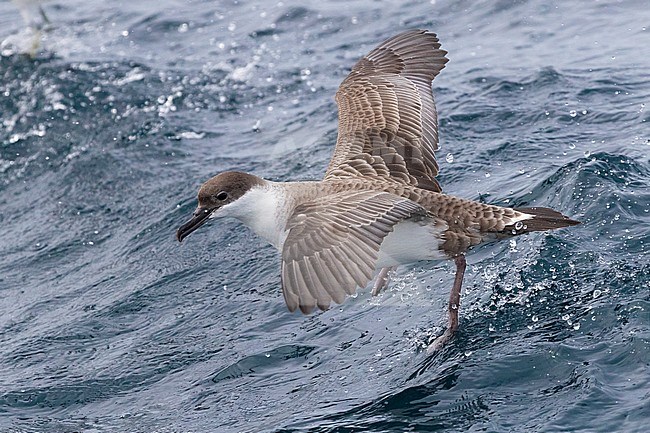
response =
{"points": [[379, 204]]}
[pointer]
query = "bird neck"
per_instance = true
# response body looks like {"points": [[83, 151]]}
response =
{"points": [[263, 210]]}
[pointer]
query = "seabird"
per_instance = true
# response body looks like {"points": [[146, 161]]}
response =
{"points": [[36, 21], [379, 204]]}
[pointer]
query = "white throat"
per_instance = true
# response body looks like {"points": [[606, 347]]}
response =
{"points": [[262, 209]]}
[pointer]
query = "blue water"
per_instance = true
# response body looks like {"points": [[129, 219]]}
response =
{"points": [[107, 324]]}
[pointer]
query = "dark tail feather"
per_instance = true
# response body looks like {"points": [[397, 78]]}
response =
{"points": [[543, 219]]}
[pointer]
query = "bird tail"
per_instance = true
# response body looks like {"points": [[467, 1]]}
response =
{"points": [[543, 219]]}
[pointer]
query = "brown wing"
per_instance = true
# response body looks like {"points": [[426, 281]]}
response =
{"points": [[333, 244], [388, 124]]}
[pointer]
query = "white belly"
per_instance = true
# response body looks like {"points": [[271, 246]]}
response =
{"points": [[412, 241]]}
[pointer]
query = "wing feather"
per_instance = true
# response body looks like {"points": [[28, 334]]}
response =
{"points": [[388, 123], [333, 244]]}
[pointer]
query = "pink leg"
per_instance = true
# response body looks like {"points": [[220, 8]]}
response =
{"points": [[454, 305], [382, 280]]}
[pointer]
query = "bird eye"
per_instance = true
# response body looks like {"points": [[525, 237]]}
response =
{"points": [[222, 195]]}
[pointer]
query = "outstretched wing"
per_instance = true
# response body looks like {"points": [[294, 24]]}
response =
{"points": [[333, 245], [388, 124]]}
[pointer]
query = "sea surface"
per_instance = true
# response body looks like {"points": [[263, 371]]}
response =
{"points": [[108, 324]]}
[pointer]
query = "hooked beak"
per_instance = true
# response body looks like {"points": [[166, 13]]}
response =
{"points": [[199, 218]]}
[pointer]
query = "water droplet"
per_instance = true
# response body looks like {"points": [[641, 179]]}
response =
{"points": [[576, 326], [449, 158], [596, 293], [487, 174], [587, 154], [573, 113], [572, 146], [535, 318], [519, 225], [565, 317]]}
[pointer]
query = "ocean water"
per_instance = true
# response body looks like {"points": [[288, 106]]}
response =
{"points": [[108, 324]]}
